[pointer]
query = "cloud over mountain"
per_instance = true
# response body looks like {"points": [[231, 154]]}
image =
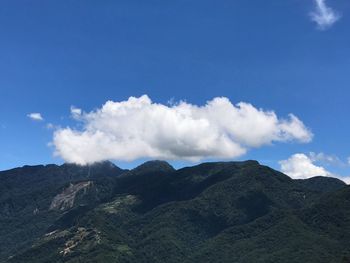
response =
{"points": [[301, 166], [138, 127]]}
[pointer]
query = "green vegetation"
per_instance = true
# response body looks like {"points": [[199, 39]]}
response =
{"points": [[213, 212]]}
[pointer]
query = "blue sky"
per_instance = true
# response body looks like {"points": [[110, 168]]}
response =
{"points": [[58, 54]]}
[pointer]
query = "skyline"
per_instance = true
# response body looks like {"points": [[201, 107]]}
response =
{"points": [[62, 63]]}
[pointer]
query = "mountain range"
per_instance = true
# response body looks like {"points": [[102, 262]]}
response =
{"points": [[211, 212]]}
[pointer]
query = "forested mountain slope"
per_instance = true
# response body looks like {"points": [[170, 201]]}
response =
{"points": [[212, 212]]}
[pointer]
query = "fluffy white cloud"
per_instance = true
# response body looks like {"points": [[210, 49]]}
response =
{"points": [[35, 116], [323, 15], [137, 128], [345, 179], [301, 166]]}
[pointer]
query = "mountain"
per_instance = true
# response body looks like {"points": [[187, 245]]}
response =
{"points": [[27, 195], [212, 212]]}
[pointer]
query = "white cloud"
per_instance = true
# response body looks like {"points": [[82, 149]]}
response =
{"points": [[75, 112], [345, 179], [35, 116], [137, 128], [348, 160], [323, 15], [300, 166], [50, 126], [326, 158]]}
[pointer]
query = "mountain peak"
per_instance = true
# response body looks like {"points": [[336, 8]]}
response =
{"points": [[99, 168], [96, 164], [154, 166], [322, 183]]}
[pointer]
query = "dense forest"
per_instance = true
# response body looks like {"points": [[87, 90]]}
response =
{"points": [[212, 212]]}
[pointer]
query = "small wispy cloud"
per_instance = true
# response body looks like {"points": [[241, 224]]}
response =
{"points": [[50, 126], [324, 15], [35, 116], [75, 112], [327, 159]]}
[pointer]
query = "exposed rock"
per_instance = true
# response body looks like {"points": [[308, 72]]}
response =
{"points": [[65, 200], [119, 204], [90, 236]]}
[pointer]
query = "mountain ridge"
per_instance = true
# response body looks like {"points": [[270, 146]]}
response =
{"points": [[209, 212]]}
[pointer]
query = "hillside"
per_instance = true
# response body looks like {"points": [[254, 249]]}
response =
{"points": [[212, 212]]}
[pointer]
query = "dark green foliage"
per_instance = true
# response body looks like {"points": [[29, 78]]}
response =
{"points": [[322, 184], [213, 212], [26, 194]]}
